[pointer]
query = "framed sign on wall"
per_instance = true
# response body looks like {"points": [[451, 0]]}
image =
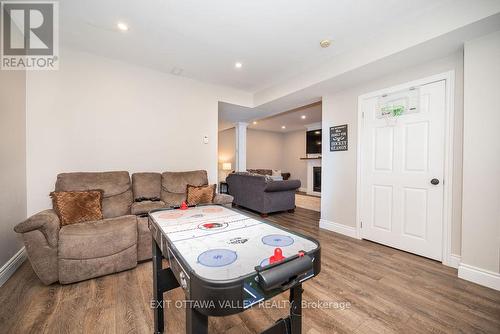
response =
{"points": [[338, 138]]}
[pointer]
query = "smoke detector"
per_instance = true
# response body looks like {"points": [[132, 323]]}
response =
{"points": [[176, 71], [325, 43]]}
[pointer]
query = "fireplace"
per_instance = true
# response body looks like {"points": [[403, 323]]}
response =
{"points": [[317, 179], [314, 176]]}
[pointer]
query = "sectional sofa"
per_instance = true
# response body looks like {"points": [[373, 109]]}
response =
{"points": [[81, 251], [262, 194]]}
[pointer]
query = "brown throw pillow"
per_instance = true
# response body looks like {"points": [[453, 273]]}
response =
{"points": [[77, 206], [200, 195]]}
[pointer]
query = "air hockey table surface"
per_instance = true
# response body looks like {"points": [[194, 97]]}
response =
{"points": [[216, 253], [222, 244]]}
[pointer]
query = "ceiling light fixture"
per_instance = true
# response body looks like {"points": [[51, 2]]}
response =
{"points": [[283, 127], [238, 65], [122, 26], [176, 71], [325, 43], [254, 122], [303, 116]]}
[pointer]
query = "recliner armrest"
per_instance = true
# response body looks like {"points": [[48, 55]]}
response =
{"points": [[223, 199], [282, 185], [46, 221]]}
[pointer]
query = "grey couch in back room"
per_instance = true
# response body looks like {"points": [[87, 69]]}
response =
{"points": [[285, 176], [259, 193]]}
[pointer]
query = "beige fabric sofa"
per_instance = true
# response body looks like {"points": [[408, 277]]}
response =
{"points": [[81, 251]]}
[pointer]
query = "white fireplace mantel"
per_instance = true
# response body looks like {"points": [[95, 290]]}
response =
{"points": [[313, 160], [311, 163]]}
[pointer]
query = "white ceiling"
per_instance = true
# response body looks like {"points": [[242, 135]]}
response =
{"points": [[441, 36], [274, 40], [292, 120], [277, 41]]}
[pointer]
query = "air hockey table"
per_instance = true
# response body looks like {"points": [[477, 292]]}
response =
{"points": [[226, 262]]}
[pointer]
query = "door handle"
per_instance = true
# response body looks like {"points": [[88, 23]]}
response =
{"points": [[435, 182]]}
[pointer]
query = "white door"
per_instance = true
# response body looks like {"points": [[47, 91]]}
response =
{"points": [[402, 159]]}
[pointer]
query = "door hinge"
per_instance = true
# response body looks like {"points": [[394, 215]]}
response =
{"points": [[362, 114], [361, 224]]}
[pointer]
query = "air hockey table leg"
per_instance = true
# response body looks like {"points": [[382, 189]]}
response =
{"points": [[159, 320], [163, 280], [296, 309], [196, 323], [293, 323]]}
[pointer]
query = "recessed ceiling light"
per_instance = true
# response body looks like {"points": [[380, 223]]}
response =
{"points": [[254, 122], [303, 116], [283, 127], [238, 65], [325, 43], [176, 71], [122, 26]]}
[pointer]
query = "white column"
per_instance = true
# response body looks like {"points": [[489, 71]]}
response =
{"points": [[241, 146], [480, 214]]}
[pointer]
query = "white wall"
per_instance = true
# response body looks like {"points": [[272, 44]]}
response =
{"points": [[226, 150], [264, 150], [268, 150], [338, 192], [98, 114], [12, 161], [481, 174]]}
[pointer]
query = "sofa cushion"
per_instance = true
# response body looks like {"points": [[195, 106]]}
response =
{"points": [[172, 199], [223, 199], [139, 208], [146, 185], [77, 206], [200, 195], [71, 271], [176, 182], [117, 196], [97, 239]]}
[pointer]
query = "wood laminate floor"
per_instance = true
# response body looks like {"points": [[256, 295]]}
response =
{"points": [[370, 288], [308, 202]]}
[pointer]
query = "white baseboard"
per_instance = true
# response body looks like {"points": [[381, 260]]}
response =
{"points": [[338, 228], [480, 276], [453, 261], [9, 268], [304, 190]]}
